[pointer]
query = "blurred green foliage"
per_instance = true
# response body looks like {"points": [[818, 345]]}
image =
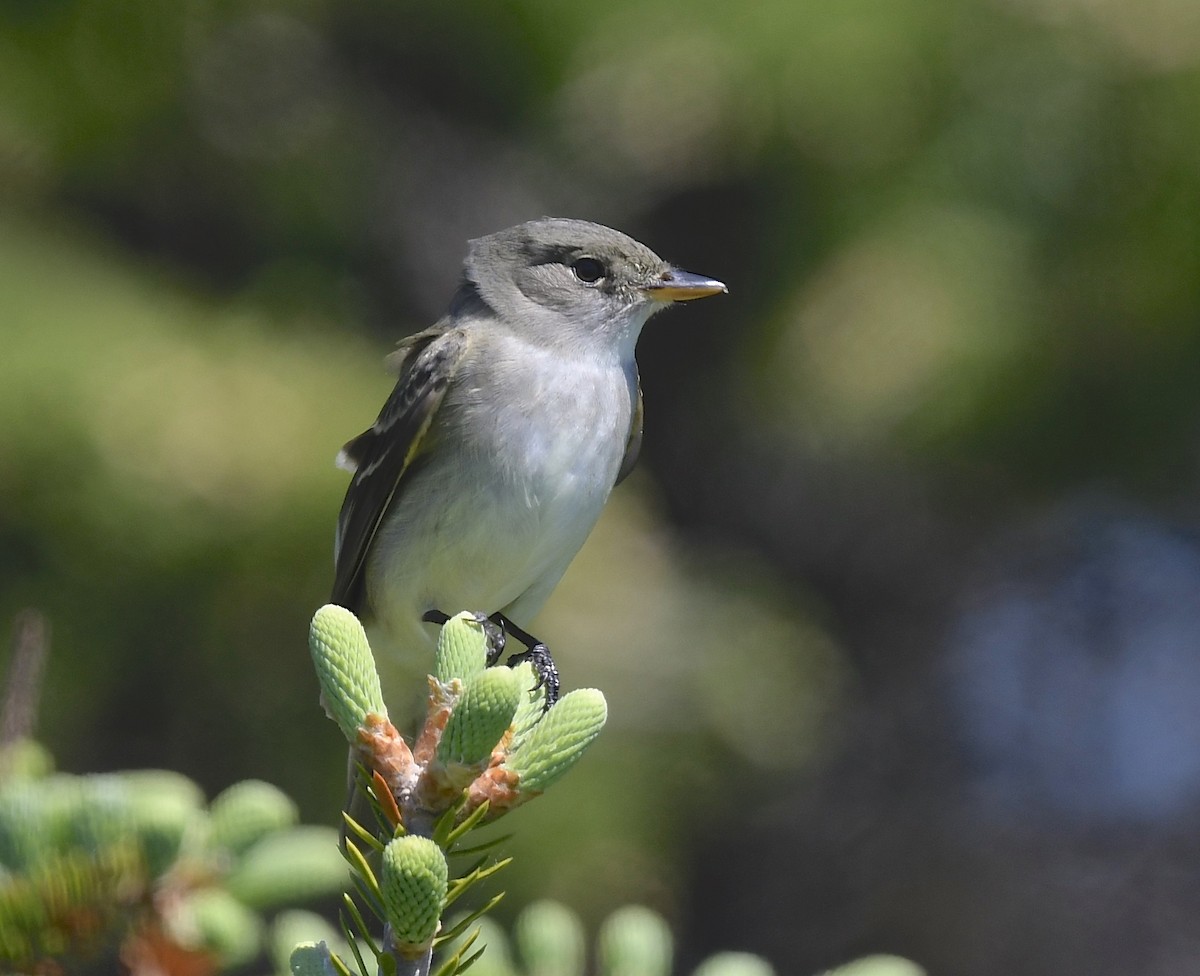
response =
{"points": [[130, 870], [962, 243]]}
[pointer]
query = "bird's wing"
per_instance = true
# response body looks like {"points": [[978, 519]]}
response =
{"points": [[633, 446], [382, 456]]}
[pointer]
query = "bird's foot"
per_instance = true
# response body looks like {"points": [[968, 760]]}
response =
{"points": [[544, 667], [496, 629], [536, 653], [493, 631]]}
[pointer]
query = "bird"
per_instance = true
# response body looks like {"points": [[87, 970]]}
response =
{"points": [[511, 421]]}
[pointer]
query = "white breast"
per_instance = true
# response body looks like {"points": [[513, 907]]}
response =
{"points": [[528, 448]]}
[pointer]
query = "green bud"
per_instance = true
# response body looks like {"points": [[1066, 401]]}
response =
{"points": [[311, 959], [481, 716], [880, 965], [558, 741], [160, 823], [159, 784], [213, 920], [550, 938], [249, 810], [294, 928], [413, 880], [734, 964], [346, 668], [62, 805], [25, 759], [289, 866], [533, 704], [461, 648], [634, 941], [106, 815]]}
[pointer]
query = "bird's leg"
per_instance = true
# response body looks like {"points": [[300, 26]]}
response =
{"points": [[536, 653], [496, 629], [493, 631]]}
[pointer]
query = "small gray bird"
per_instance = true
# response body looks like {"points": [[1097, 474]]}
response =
{"points": [[511, 421]]}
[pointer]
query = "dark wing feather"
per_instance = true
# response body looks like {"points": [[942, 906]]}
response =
{"points": [[633, 447], [382, 456]]}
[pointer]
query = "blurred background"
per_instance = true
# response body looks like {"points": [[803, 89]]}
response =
{"points": [[898, 620]]}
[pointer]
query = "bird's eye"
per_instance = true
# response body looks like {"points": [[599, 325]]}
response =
{"points": [[588, 270]]}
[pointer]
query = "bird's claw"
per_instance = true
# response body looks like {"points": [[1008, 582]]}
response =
{"points": [[538, 656], [544, 667], [496, 629]]}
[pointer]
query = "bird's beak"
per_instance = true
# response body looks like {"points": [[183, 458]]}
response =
{"points": [[683, 286]]}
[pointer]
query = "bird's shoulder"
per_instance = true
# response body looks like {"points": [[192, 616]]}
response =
{"points": [[424, 363], [410, 348]]}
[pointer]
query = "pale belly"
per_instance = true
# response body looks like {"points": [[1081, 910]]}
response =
{"points": [[494, 522]]}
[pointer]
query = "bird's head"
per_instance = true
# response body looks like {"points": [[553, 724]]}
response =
{"points": [[574, 282]]}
